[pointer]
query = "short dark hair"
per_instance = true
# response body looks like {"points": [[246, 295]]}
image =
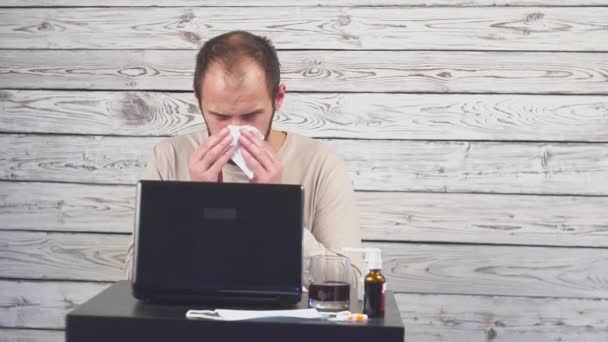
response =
{"points": [[232, 48]]}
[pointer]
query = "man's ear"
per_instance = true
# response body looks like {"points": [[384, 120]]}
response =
{"points": [[278, 102]]}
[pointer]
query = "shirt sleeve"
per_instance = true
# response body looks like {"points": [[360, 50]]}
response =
{"points": [[335, 223]]}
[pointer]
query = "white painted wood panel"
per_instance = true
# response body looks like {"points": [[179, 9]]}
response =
{"points": [[62, 256], [326, 71], [393, 28], [495, 270], [426, 333], [24, 335], [334, 115], [422, 268], [422, 217], [34, 304], [486, 318], [67, 207], [480, 218], [476, 167], [301, 3], [387, 165]]}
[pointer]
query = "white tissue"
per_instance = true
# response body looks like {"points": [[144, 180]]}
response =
{"points": [[237, 158], [238, 315]]}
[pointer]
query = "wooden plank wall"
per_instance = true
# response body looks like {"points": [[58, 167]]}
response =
{"points": [[476, 133]]}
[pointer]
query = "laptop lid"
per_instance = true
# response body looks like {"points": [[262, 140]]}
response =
{"points": [[198, 241]]}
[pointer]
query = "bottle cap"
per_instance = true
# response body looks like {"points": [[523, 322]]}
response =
{"points": [[374, 258]]}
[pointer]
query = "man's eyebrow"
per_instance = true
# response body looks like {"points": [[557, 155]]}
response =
{"points": [[257, 111]]}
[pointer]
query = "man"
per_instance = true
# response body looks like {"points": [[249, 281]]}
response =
{"points": [[237, 82]]}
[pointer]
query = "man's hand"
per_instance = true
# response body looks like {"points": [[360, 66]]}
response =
{"points": [[260, 158], [207, 161]]}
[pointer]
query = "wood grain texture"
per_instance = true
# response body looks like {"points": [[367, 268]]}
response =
{"points": [[413, 217], [476, 167], [28, 304], [537, 168], [423, 268], [395, 28], [477, 218], [326, 71], [359, 116], [484, 318], [301, 3], [426, 317], [25, 335], [427, 333], [29, 255], [495, 270], [67, 207], [106, 113], [95, 156]]}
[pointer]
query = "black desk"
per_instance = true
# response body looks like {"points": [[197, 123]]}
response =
{"points": [[114, 315]]}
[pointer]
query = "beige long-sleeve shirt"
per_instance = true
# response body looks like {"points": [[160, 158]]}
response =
{"points": [[331, 220]]}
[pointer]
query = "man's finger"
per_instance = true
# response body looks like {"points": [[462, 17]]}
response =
{"points": [[253, 137], [261, 143], [253, 164], [216, 152], [213, 140], [217, 166], [257, 152]]}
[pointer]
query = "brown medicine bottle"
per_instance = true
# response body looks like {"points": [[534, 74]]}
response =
{"points": [[375, 286]]}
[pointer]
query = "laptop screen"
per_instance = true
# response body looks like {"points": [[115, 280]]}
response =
{"points": [[206, 237]]}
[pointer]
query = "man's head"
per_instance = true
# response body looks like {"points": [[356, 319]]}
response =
{"points": [[237, 81]]}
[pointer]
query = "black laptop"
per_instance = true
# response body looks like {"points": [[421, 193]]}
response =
{"points": [[224, 243]]}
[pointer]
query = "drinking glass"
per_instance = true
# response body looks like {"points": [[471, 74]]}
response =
{"points": [[329, 287]]}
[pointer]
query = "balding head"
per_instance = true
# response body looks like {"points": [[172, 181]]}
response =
{"points": [[236, 53]]}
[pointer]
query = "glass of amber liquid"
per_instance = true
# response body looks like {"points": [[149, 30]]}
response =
{"points": [[329, 287]]}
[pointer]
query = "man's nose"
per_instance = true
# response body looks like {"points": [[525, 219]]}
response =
{"points": [[236, 121]]}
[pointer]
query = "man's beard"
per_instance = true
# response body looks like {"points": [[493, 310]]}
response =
{"points": [[267, 135]]}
